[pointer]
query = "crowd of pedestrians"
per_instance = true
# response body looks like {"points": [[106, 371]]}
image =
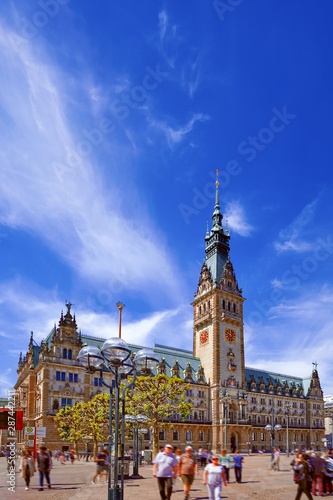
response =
{"points": [[169, 463], [313, 472]]}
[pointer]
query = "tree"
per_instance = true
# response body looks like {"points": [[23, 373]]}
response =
{"points": [[71, 424], [159, 398], [85, 419], [97, 419]]}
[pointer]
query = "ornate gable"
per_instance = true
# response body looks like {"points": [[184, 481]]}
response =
{"points": [[205, 280], [228, 279]]}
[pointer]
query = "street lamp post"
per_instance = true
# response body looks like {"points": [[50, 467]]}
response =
{"points": [[136, 421], [225, 399], [114, 358], [287, 411]]}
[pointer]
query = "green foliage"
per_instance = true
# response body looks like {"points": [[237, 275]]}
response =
{"points": [[159, 398], [85, 420]]}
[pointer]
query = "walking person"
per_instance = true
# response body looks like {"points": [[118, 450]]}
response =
{"points": [[187, 467], [44, 467], [318, 465], [101, 467], [212, 477], [276, 460], [226, 460], [238, 463], [165, 468], [303, 477], [27, 468]]}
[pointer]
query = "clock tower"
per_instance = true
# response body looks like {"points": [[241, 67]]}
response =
{"points": [[218, 338]]}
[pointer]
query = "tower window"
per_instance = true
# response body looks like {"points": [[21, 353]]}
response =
{"points": [[209, 305], [64, 353], [69, 353], [234, 310], [223, 304], [200, 310], [204, 307], [228, 306]]}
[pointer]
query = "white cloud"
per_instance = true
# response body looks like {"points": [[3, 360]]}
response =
{"points": [[291, 234], [237, 219], [293, 334], [25, 307], [175, 136], [70, 207]]}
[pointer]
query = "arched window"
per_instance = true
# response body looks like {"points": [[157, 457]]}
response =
{"points": [[223, 304], [234, 308], [64, 353], [228, 306], [209, 305], [204, 307], [201, 436], [69, 353], [175, 435], [161, 435], [200, 310], [188, 436]]}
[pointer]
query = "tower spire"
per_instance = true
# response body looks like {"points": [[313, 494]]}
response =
{"points": [[217, 216], [217, 241]]}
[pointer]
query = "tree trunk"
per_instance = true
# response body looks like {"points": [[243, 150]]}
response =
{"points": [[155, 440], [95, 448]]}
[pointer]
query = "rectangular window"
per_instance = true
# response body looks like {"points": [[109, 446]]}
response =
{"points": [[75, 377], [262, 436], [65, 402], [294, 405], [95, 381], [70, 377], [63, 376], [57, 375], [279, 403], [262, 401], [100, 382]]}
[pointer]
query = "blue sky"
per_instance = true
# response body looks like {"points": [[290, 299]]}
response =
{"points": [[113, 120]]}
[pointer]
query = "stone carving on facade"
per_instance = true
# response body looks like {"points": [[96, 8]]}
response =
{"points": [[161, 367], [188, 378], [175, 369], [232, 367], [231, 382], [200, 375]]}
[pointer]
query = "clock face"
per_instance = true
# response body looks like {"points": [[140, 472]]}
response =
{"points": [[230, 335], [204, 337]]}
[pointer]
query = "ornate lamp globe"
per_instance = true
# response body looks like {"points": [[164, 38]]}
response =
{"points": [[130, 419], [116, 351], [278, 427], [126, 368], [268, 428], [142, 419], [90, 357], [145, 359]]}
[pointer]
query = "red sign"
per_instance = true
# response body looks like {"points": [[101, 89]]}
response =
{"points": [[11, 419]]}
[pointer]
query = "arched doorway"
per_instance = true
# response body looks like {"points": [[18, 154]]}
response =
{"points": [[233, 442]]}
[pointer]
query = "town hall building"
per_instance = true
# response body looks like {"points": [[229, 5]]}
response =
{"points": [[232, 403]]}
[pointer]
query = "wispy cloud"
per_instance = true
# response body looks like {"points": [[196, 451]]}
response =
{"points": [[79, 217], [36, 309], [303, 326], [237, 219], [163, 23], [290, 236], [177, 135]]}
